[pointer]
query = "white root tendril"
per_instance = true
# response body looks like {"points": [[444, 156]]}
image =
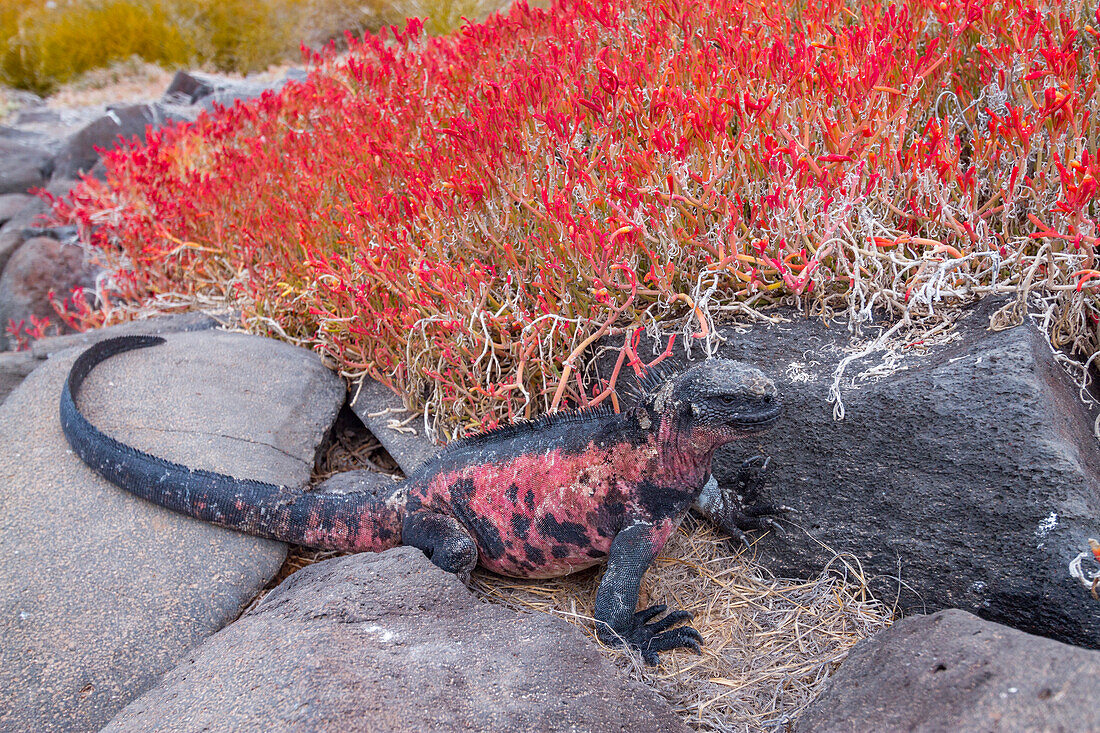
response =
{"points": [[1091, 581], [838, 375]]}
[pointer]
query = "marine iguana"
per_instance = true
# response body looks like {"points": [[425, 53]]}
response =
{"points": [[535, 499]]}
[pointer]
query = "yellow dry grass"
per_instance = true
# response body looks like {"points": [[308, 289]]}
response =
{"points": [[45, 45], [770, 643]]}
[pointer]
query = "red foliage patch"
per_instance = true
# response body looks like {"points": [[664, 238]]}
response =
{"points": [[465, 212]]}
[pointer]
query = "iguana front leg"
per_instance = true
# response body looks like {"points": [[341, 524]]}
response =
{"points": [[632, 551], [736, 509]]}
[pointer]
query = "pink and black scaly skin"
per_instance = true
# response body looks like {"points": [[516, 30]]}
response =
{"points": [[532, 500]]}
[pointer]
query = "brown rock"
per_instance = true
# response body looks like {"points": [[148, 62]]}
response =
{"points": [[388, 642], [955, 672], [41, 265]]}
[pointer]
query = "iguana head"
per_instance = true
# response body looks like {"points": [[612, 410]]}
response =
{"points": [[716, 401]]}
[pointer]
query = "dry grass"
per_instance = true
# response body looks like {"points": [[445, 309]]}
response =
{"points": [[124, 82], [770, 644]]}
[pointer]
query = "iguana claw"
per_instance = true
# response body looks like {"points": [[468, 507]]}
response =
{"points": [[650, 638], [738, 510], [750, 476]]}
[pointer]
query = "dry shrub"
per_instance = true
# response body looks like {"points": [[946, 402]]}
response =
{"points": [[44, 45], [326, 20]]}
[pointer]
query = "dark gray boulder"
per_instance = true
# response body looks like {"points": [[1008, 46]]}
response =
{"points": [[389, 642], [80, 152], [23, 166], [969, 470], [188, 87], [102, 592], [955, 672], [13, 231]]}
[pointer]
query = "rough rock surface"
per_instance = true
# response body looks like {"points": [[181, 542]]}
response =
{"points": [[14, 367], [188, 87], [47, 128], [968, 469], [388, 642], [102, 592], [13, 203], [176, 323], [39, 266], [206, 90], [955, 672], [380, 408]]}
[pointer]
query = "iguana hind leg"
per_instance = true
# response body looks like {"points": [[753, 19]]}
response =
{"points": [[443, 539], [632, 551]]}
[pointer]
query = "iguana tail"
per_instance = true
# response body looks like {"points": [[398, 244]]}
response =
{"points": [[355, 521]]}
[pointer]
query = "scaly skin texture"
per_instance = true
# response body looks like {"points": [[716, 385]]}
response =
{"points": [[534, 500]]}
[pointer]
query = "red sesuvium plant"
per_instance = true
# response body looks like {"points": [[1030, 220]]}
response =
{"points": [[461, 216]]}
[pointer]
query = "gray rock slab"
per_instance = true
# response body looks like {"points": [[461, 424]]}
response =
{"points": [[48, 128], [955, 672], [388, 642], [14, 367], [102, 592], [243, 91], [382, 410], [969, 470], [175, 323]]}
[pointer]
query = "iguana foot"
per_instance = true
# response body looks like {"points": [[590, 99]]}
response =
{"points": [[750, 476], [650, 638], [737, 510]]}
